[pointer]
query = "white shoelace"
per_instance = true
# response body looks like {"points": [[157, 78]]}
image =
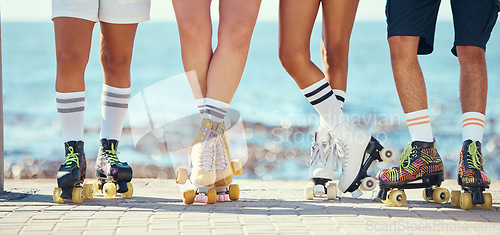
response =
{"points": [[342, 152], [207, 152]]}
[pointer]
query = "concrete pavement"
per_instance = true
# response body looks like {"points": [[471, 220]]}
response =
{"points": [[265, 207]]}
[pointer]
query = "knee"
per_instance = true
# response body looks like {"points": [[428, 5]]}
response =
{"points": [[190, 29], [336, 54], [71, 62], [471, 54], [236, 35], [114, 63], [403, 48], [292, 59]]}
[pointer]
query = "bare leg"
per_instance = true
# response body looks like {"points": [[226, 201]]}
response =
{"points": [[73, 39], [407, 73], [117, 43], [195, 31], [338, 20], [237, 21], [473, 79], [296, 24]]}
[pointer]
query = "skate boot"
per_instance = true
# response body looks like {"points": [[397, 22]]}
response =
{"points": [[472, 179], [114, 176], [322, 164], [225, 168], [419, 162], [203, 165], [357, 149], [72, 174]]}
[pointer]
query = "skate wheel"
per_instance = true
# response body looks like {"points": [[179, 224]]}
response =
{"points": [[77, 195], [130, 191], [387, 154], [465, 201], [88, 191], [234, 192], [397, 197], [309, 192], [188, 196], [455, 198], [222, 197], [368, 184], [441, 195], [201, 198], [236, 165], [95, 187], [424, 194], [109, 190], [488, 201], [56, 196], [212, 196], [331, 191], [181, 175]]}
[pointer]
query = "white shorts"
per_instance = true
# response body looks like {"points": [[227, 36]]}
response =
{"points": [[109, 11]]}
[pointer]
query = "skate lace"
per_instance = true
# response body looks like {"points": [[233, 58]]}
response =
{"points": [[220, 162], [207, 152], [112, 155], [318, 154], [475, 160], [71, 157], [406, 156], [342, 152]]}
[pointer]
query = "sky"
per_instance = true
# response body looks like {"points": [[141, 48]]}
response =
{"points": [[161, 10]]}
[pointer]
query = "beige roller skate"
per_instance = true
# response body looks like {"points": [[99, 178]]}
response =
{"points": [[225, 168]]}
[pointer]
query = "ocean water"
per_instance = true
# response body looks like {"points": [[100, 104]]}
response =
{"points": [[267, 95]]}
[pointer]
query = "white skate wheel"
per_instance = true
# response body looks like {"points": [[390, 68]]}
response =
{"points": [[331, 191], [387, 154], [368, 184], [319, 190], [357, 193], [309, 192]]}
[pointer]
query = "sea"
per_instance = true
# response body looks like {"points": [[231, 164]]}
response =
{"points": [[266, 98]]}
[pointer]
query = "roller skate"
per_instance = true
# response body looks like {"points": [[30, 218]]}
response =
{"points": [[322, 164], [113, 175], [225, 169], [419, 162], [472, 179], [203, 173], [357, 150], [72, 174]]}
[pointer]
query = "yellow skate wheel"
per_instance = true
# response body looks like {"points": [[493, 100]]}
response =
{"points": [[88, 191], [188, 196], [56, 196], [488, 202], [424, 195], [77, 195], [109, 190], [130, 191], [181, 176], [441, 195], [465, 201], [236, 165], [309, 192], [455, 198], [95, 188], [331, 191], [397, 197], [234, 192], [212, 196]]}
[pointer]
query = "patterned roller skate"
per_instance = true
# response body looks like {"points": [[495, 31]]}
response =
{"points": [[472, 179], [357, 149], [420, 162], [72, 174], [225, 168], [322, 164], [113, 175], [202, 166]]}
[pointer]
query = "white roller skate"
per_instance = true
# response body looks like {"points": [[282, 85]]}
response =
{"points": [[322, 164]]}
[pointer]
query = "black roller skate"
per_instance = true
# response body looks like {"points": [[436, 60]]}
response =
{"points": [[472, 179], [113, 175], [420, 167], [72, 174]]}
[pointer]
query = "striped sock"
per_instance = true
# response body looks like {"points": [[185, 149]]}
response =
{"points": [[71, 107], [340, 95], [322, 98], [114, 110], [473, 126], [419, 125], [202, 108], [216, 110]]}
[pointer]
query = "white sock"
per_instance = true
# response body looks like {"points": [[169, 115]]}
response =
{"points": [[114, 110], [322, 98], [202, 108], [216, 110], [473, 126], [340, 95], [71, 107], [323, 126], [419, 125]]}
